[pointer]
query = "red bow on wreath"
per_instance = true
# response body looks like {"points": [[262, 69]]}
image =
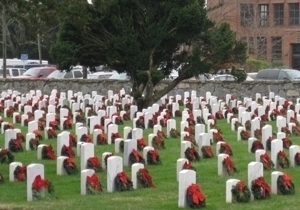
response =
{"points": [[94, 161], [93, 181], [39, 183], [136, 155], [123, 177], [197, 195], [287, 180], [146, 176], [262, 184]]}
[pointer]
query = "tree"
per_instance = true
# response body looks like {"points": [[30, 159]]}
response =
{"points": [[142, 38]]}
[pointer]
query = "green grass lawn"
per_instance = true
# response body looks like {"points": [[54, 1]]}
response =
{"points": [[164, 196]]}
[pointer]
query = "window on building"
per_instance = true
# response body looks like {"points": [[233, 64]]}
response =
{"points": [[278, 14], [251, 46], [246, 14], [294, 13], [276, 49], [264, 14], [262, 48]]}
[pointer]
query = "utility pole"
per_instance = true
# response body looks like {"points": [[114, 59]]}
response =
{"points": [[4, 40]]}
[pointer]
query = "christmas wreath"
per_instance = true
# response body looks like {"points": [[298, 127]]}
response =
{"points": [[200, 120], [163, 122], [118, 120], [121, 146], [86, 138], [102, 139], [188, 166], [72, 140], [123, 183], [190, 130], [273, 116], [126, 116], [152, 122], [6, 156], [100, 127], [145, 178], [141, 144], [51, 133], [217, 137], [93, 185], [38, 134], [257, 144], [219, 115], [178, 113], [20, 136], [161, 134], [67, 151], [297, 158], [266, 161], [48, 153], [260, 189], [114, 136], [8, 126], [257, 133], [191, 154], [94, 163], [286, 131], [286, 143], [225, 149], [67, 125], [15, 145], [190, 138], [70, 166], [135, 157], [241, 193], [229, 166], [18, 118], [174, 133], [140, 123], [20, 173], [248, 125], [285, 185], [207, 151], [158, 142], [245, 135], [268, 143], [282, 159], [194, 197], [54, 125], [153, 157], [79, 118], [39, 184], [92, 112], [106, 157], [236, 125], [296, 130]]}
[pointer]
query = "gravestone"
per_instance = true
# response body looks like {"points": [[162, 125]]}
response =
{"points": [[80, 132], [276, 146], [114, 166], [171, 124], [250, 143], [137, 133], [112, 128], [28, 137], [184, 146], [203, 140], [117, 144], [129, 145], [32, 126], [83, 175], [179, 166], [230, 184], [9, 135], [33, 170], [86, 151], [266, 132], [134, 169], [96, 132], [221, 168], [293, 150], [12, 167], [60, 170], [126, 131], [255, 170], [186, 178], [62, 139], [145, 152], [274, 177]]}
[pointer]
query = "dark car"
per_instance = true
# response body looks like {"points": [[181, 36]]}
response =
{"points": [[278, 74]]}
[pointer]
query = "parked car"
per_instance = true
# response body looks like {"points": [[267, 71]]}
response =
{"points": [[73, 74], [12, 72], [101, 75], [37, 72], [278, 74], [227, 77]]}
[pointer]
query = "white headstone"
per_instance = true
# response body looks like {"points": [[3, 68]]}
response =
{"points": [[86, 151], [129, 145], [33, 170], [134, 169], [114, 166], [186, 178], [83, 175]]}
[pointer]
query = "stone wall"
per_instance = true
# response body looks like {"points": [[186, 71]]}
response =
{"points": [[289, 90]]}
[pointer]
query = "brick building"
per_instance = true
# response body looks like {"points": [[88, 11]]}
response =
{"points": [[271, 28]]}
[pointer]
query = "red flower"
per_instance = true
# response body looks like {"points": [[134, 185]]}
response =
{"points": [[197, 196]]}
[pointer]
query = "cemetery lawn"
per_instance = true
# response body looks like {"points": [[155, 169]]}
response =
{"points": [[163, 197]]}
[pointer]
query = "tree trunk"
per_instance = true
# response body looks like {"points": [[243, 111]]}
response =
{"points": [[39, 47], [84, 72], [4, 40]]}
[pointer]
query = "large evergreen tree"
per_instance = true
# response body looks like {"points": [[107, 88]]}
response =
{"points": [[140, 36]]}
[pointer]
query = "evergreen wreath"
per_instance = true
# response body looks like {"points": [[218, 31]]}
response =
{"points": [[241, 192]]}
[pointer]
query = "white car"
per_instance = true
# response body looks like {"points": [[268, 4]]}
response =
{"points": [[117, 76], [101, 75], [73, 74], [227, 77], [12, 72]]}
